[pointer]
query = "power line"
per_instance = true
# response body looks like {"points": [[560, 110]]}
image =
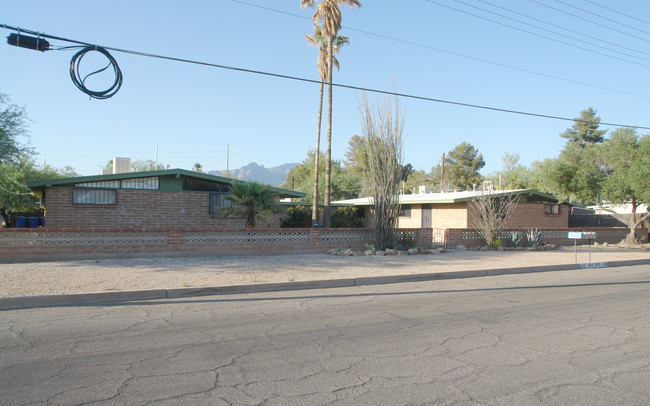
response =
{"points": [[536, 34], [340, 85], [599, 16], [589, 21], [563, 28], [617, 12], [550, 31], [452, 53]]}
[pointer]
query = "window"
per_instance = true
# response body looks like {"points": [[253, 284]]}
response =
{"points": [[552, 209], [151, 183], [218, 202], [113, 184], [94, 196], [405, 211], [141, 183]]}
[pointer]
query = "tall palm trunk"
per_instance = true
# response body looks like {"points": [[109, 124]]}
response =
{"points": [[314, 212], [327, 214]]}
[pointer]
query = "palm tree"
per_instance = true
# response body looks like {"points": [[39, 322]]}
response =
{"points": [[329, 16], [317, 40], [252, 201]]}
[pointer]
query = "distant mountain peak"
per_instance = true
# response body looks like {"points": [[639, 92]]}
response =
{"points": [[253, 172]]}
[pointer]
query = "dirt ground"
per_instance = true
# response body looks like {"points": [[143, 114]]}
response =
{"points": [[128, 274]]}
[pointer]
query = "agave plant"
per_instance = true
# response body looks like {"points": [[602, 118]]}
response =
{"points": [[514, 238], [534, 237]]}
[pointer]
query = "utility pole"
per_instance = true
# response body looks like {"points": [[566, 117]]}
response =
{"points": [[227, 159]]}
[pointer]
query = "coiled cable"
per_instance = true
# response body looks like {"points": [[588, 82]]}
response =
{"points": [[75, 75]]}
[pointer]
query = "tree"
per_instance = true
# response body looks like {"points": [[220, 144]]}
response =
{"points": [[463, 165], [14, 193], [329, 16], [416, 179], [344, 184], [382, 129], [197, 168], [626, 159], [574, 175], [356, 163], [252, 201], [17, 166], [317, 40], [14, 135], [585, 129], [513, 175], [490, 212]]}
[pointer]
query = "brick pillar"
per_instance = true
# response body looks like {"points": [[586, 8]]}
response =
{"points": [[174, 238], [425, 237], [314, 237], [453, 237]]}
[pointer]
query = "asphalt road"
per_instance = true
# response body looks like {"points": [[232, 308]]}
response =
{"points": [[568, 338]]}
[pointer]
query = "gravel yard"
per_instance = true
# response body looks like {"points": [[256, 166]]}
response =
{"points": [[105, 275]]}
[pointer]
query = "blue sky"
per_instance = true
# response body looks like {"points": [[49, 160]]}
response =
{"points": [[193, 112]]}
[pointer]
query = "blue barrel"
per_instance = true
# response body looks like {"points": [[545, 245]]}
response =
{"points": [[21, 222], [41, 221], [32, 222]]}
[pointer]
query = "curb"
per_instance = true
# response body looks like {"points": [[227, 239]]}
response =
{"points": [[13, 303]]}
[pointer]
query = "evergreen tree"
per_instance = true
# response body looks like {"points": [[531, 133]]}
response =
{"points": [[585, 129], [462, 167]]}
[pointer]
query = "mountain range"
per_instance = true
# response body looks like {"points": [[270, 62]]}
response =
{"points": [[258, 173]]}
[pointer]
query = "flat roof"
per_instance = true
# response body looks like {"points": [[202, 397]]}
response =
{"points": [[450, 197]]}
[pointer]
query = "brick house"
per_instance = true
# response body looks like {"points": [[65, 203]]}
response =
{"points": [[164, 199], [453, 210]]}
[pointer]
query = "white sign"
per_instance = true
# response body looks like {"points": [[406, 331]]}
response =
{"points": [[574, 235]]}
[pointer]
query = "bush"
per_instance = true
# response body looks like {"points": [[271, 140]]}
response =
{"points": [[405, 241], [347, 217], [297, 217]]}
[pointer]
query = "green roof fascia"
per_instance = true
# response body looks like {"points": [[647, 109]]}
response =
{"points": [[39, 184]]}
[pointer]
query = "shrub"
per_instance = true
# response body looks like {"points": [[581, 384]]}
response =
{"points": [[297, 217], [347, 217], [404, 242]]}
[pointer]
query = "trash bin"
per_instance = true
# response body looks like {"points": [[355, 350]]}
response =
{"points": [[41, 221], [32, 222], [21, 222]]}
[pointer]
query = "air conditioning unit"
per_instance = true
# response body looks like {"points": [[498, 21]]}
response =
{"points": [[424, 189], [121, 165], [488, 186]]}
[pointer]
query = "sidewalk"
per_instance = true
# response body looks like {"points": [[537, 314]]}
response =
{"points": [[75, 282]]}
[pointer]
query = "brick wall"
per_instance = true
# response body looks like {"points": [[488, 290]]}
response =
{"points": [[456, 215], [25, 244], [531, 215], [449, 215], [414, 220], [557, 236], [141, 209]]}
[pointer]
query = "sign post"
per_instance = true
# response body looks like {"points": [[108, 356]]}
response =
{"points": [[575, 236]]}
